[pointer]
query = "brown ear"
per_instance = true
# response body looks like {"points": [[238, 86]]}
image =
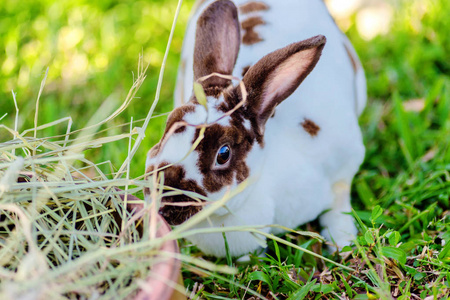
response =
{"points": [[277, 75], [217, 43]]}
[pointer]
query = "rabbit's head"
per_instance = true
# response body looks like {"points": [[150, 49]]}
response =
{"points": [[233, 120]]}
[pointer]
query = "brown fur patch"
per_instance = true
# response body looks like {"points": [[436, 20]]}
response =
{"points": [[310, 127], [214, 91], [232, 98], [174, 176], [250, 35], [177, 115], [244, 70], [240, 141], [252, 7], [353, 59]]}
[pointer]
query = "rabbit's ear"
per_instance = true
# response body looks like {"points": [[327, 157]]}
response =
{"points": [[217, 43], [277, 75]]}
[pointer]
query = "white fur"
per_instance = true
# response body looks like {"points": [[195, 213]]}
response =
{"points": [[296, 176], [212, 115], [175, 149]]}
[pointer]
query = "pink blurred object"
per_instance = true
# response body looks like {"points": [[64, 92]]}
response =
{"points": [[166, 273]]}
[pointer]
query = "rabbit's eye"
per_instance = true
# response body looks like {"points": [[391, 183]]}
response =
{"points": [[223, 155]]}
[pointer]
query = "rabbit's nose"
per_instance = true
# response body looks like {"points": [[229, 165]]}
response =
{"points": [[174, 173]]}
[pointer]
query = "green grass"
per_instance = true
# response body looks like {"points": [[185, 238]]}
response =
{"points": [[400, 196]]}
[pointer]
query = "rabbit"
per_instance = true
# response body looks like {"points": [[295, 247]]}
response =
{"points": [[296, 138]]}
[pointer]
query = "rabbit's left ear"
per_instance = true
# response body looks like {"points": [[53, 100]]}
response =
{"points": [[277, 75], [217, 43]]}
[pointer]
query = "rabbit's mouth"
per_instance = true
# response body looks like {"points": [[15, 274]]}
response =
{"points": [[178, 209]]}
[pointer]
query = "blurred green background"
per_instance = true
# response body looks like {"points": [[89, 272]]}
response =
{"points": [[92, 49]]}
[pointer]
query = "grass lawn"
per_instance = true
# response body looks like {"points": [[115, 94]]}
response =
{"points": [[401, 196]]}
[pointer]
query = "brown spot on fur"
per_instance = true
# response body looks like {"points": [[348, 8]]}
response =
{"points": [[252, 7], [244, 70], [174, 176], [353, 59], [250, 35], [310, 127]]}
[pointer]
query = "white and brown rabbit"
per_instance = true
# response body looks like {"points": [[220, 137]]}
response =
{"points": [[299, 144]]}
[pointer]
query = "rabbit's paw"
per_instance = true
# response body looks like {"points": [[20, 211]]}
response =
{"points": [[338, 224]]}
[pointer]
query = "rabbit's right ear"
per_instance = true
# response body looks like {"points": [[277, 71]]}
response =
{"points": [[217, 43], [277, 75]]}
